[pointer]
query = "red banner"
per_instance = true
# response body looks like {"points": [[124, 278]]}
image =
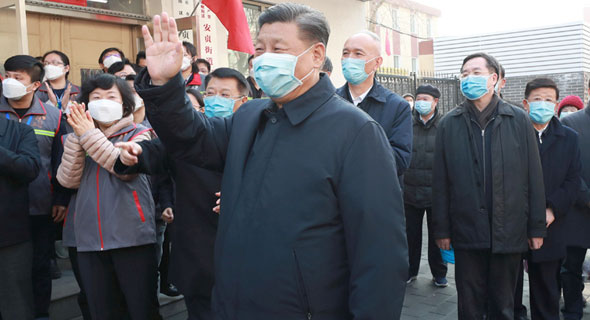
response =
{"points": [[81, 3]]}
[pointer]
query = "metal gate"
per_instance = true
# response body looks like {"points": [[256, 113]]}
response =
{"points": [[402, 82]]}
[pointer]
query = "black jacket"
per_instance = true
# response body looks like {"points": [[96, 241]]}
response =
{"points": [[578, 220], [195, 224], [459, 201], [313, 228], [560, 158], [393, 114], [418, 177], [19, 165]]}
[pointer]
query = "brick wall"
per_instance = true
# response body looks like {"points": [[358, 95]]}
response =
{"points": [[568, 84]]}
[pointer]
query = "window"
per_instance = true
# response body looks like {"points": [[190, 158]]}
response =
{"points": [[414, 65], [129, 6], [413, 24], [396, 62], [394, 19]]}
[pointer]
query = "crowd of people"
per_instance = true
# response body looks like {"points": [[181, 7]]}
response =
{"points": [[280, 196]]}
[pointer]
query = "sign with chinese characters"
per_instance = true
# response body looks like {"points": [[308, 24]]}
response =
{"points": [[183, 8], [207, 32]]}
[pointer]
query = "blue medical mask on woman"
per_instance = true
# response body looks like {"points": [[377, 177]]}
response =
{"points": [[541, 111], [275, 73], [354, 70], [474, 87], [423, 107], [217, 106]]}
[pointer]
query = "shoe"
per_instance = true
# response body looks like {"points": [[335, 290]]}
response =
{"points": [[55, 272], [169, 290], [440, 282], [412, 278]]}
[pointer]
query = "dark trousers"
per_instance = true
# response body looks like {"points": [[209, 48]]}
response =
{"points": [[82, 300], [130, 272], [163, 267], [16, 292], [572, 283], [43, 236], [544, 289], [485, 284], [414, 218], [198, 308]]}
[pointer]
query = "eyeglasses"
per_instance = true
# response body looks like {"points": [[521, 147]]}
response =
{"points": [[55, 63]]}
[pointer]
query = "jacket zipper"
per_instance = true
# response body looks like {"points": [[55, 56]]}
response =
{"points": [[303, 288], [98, 207], [483, 149]]}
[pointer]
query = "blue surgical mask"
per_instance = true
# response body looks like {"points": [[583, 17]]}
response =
{"points": [[354, 70], [541, 111], [275, 73], [217, 106], [564, 114], [474, 87], [423, 107]]}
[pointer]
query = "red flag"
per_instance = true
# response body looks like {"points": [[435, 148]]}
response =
{"points": [[387, 43], [232, 16]]}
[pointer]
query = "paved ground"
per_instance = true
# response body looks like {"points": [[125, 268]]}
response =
{"points": [[426, 302]]}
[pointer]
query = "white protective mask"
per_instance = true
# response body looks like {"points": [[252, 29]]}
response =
{"points": [[138, 102], [53, 72], [13, 89], [186, 63], [108, 62], [105, 111]]}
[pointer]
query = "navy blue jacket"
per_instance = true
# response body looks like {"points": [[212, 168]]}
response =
{"points": [[578, 220], [560, 159], [323, 235], [393, 114]]}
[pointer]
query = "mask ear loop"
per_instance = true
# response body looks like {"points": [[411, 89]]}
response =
{"points": [[311, 71], [372, 72]]}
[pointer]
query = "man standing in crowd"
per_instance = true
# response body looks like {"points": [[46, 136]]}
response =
{"points": [[410, 99], [488, 196], [578, 222], [47, 199], [327, 67], [108, 57], [418, 185], [560, 159], [255, 91], [361, 58], [195, 225], [311, 216], [19, 166], [569, 105]]}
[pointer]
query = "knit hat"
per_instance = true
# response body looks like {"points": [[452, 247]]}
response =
{"points": [[573, 101], [408, 95], [428, 89]]}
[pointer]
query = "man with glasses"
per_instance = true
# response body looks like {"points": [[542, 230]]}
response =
{"points": [[488, 195], [560, 159], [361, 58]]}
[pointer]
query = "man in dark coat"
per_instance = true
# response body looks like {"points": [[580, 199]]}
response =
{"points": [[311, 221], [578, 222], [361, 57], [19, 166], [418, 185], [195, 224], [560, 159], [488, 196]]}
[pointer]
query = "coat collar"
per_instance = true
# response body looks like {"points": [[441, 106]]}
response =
{"points": [[429, 123], [37, 107], [377, 92], [123, 126], [504, 108], [306, 104]]}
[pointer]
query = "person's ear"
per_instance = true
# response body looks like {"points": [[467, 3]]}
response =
{"points": [[525, 104], [318, 52], [378, 63], [66, 69], [36, 85], [434, 102]]}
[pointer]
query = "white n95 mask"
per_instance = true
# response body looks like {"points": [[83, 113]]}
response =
{"points": [[105, 111], [108, 62]]}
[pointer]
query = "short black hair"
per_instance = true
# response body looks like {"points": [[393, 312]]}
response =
{"points": [[140, 55], [106, 81], [491, 62], [28, 64], [195, 93], [327, 66], [118, 66], [64, 58], [311, 23], [502, 72], [250, 58], [190, 48], [105, 51], [205, 62], [540, 83], [225, 73]]}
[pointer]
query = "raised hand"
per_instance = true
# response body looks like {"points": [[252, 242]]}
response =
{"points": [[51, 94], [80, 119], [164, 51], [129, 152]]}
